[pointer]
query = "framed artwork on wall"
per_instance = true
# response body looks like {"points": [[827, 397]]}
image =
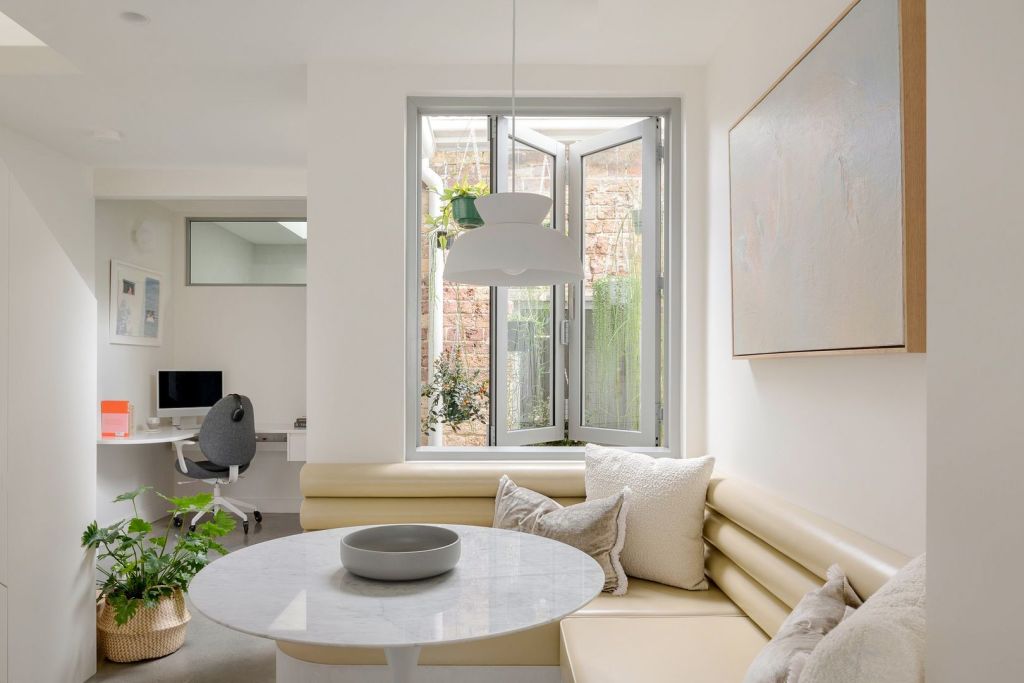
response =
{"points": [[135, 305], [827, 203]]}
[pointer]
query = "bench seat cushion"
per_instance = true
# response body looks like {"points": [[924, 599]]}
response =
{"points": [[647, 598], [705, 649]]}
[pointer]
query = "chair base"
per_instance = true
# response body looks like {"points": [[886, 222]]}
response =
{"points": [[232, 505]]}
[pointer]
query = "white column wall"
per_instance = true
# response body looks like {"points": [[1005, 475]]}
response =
{"points": [[976, 333]]}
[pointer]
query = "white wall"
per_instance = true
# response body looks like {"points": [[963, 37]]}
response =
{"points": [[128, 372], [219, 255], [843, 436], [357, 336], [47, 465], [976, 333], [257, 336]]}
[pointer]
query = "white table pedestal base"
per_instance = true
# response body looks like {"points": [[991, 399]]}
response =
{"points": [[402, 661]]}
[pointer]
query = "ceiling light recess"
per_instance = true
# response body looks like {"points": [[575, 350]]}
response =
{"points": [[298, 227]]}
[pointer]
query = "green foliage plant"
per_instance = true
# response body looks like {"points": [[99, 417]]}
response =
{"points": [[454, 395], [145, 567]]}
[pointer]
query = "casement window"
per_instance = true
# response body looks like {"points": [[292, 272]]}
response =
{"points": [[542, 366]]}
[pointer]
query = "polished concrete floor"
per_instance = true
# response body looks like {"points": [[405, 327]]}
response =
{"points": [[211, 652]]}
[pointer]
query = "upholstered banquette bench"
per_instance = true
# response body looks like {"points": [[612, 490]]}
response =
{"points": [[763, 554]]}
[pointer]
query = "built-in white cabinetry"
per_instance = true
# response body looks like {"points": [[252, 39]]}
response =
{"points": [[47, 419], [297, 446]]}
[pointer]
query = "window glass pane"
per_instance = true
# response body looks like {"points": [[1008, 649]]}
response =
{"points": [[530, 315], [252, 251], [529, 361], [455, 319], [612, 287]]}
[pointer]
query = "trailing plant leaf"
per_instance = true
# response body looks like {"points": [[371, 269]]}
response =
{"points": [[143, 568]]}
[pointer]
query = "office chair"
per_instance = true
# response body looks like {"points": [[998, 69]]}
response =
{"points": [[227, 438]]}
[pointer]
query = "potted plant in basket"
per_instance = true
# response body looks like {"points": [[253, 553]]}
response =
{"points": [[145, 575]]}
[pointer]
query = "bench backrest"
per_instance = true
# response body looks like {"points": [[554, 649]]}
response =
{"points": [[763, 552]]}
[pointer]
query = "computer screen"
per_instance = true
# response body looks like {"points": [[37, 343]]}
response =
{"points": [[188, 392]]}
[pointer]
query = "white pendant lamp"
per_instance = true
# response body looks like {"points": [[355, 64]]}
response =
{"points": [[512, 248]]}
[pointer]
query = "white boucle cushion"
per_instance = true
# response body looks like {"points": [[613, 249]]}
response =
{"points": [[664, 529], [882, 641]]}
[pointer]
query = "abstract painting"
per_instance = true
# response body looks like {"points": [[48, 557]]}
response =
{"points": [[134, 305], [818, 178]]}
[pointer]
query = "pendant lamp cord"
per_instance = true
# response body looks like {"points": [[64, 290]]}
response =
{"points": [[513, 188]]}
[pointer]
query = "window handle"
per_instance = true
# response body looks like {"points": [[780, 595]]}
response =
{"points": [[565, 331]]}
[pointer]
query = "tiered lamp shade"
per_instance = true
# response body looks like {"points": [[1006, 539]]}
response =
{"points": [[512, 248]]}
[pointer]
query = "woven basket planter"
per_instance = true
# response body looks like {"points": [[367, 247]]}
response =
{"points": [[152, 632]]}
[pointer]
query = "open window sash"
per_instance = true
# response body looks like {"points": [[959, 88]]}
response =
{"points": [[613, 349], [528, 348]]}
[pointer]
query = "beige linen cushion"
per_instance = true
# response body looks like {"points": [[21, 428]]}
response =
{"points": [[881, 642], [597, 527], [664, 540], [817, 613]]}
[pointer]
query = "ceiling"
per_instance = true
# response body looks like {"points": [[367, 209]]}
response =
{"points": [[262, 232], [223, 83]]}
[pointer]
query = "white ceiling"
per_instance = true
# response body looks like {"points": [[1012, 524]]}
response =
{"points": [[223, 82], [262, 232]]}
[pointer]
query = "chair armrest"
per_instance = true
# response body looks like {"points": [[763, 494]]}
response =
{"points": [[179, 447], [232, 474]]}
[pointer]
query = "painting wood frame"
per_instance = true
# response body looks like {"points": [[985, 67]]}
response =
{"points": [[142, 278], [911, 15]]}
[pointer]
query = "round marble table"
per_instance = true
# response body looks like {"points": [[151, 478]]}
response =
{"points": [[295, 589]]}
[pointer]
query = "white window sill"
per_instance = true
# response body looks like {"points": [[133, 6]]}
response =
{"points": [[427, 453]]}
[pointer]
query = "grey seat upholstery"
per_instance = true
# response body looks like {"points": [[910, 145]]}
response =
{"points": [[223, 441]]}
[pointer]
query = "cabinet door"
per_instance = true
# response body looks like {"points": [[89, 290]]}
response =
{"points": [[5, 234], [297, 446]]}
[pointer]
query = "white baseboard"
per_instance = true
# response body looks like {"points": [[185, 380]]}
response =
{"points": [[291, 670]]}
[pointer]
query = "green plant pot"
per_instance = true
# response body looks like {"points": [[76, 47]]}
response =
{"points": [[464, 212]]}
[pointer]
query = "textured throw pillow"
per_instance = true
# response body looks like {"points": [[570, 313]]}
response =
{"points": [[816, 614], [882, 641], [664, 532], [597, 527]]}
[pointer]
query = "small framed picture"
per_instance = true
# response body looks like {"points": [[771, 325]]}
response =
{"points": [[135, 305]]}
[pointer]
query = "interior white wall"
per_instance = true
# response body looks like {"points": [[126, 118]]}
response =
{"points": [[219, 255], [842, 435], [975, 336], [257, 336], [48, 464], [128, 372], [357, 271]]}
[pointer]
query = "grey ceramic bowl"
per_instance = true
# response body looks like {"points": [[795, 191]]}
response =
{"points": [[400, 552]]}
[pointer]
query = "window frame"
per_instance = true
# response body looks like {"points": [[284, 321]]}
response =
{"points": [[671, 404], [189, 220]]}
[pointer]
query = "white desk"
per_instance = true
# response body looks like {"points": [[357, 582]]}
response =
{"points": [[293, 440], [142, 437]]}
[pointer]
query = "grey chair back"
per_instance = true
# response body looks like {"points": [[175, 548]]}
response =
{"points": [[225, 442]]}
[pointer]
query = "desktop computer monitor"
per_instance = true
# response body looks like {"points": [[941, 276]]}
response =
{"points": [[187, 393]]}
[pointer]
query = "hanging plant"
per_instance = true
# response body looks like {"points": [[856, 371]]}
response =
{"points": [[458, 204], [455, 396]]}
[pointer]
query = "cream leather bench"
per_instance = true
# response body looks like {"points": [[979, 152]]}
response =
{"points": [[763, 555]]}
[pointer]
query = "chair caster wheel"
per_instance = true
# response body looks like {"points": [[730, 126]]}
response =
{"points": [[258, 516], [178, 521], [192, 528], [245, 527]]}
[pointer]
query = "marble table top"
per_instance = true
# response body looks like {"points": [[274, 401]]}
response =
{"points": [[295, 589]]}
